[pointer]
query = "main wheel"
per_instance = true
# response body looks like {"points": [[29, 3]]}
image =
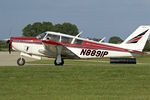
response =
{"points": [[21, 61], [59, 64]]}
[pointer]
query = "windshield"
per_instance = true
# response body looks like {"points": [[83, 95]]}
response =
{"points": [[41, 36]]}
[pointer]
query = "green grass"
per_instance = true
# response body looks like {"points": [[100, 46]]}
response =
{"points": [[77, 80]]}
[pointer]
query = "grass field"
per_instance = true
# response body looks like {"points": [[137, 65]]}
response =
{"points": [[77, 80]]}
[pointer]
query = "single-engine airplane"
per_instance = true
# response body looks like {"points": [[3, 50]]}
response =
{"points": [[61, 46]]}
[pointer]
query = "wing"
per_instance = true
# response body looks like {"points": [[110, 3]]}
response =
{"points": [[52, 49]]}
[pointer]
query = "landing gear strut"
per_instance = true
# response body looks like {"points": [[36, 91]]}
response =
{"points": [[59, 60], [21, 61]]}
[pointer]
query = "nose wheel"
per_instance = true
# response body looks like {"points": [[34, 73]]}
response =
{"points": [[21, 61]]}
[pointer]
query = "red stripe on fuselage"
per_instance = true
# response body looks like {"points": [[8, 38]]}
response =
{"points": [[88, 45], [93, 45], [52, 42], [31, 40]]}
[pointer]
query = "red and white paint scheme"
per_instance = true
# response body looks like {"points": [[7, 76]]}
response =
{"points": [[61, 46]]}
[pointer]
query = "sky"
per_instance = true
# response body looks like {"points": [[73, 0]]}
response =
{"points": [[96, 18]]}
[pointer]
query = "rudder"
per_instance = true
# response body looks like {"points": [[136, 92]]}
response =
{"points": [[137, 40]]}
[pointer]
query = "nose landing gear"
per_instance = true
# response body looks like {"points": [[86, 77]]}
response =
{"points": [[21, 61]]}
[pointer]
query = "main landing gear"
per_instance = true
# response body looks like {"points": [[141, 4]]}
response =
{"points": [[60, 63], [21, 61]]}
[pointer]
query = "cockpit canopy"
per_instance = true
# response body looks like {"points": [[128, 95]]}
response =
{"points": [[58, 37]]}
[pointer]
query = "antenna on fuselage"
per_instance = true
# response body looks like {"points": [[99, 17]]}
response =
{"points": [[102, 39], [76, 37]]}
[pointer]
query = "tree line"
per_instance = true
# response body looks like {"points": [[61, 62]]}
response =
{"points": [[38, 28]]}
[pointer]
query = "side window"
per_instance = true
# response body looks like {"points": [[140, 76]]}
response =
{"points": [[66, 39], [53, 37], [78, 41]]}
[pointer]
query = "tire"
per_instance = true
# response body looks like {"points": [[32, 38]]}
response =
{"points": [[60, 64], [21, 61]]}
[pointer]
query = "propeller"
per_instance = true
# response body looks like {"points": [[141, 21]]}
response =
{"points": [[9, 42], [9, 46]]}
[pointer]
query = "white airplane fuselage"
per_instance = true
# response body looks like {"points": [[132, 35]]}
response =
{"points": [[37, 49], [60, 46]]}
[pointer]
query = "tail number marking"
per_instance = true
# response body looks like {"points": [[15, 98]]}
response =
{"points": [[97, 53]]}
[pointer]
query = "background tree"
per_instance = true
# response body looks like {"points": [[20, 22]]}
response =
{"points": [[70, 29], [115, 40], [47, 26], [38, 28], [58, 28], [3, 46], [147, 46], [66, 28]]}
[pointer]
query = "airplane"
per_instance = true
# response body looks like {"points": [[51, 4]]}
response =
{"points": [[61, 46]]}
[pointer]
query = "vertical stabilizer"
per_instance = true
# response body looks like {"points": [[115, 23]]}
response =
{"points": [[137, 40]]}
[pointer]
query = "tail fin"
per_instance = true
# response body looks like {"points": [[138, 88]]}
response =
{"points": [[137, 40]]}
